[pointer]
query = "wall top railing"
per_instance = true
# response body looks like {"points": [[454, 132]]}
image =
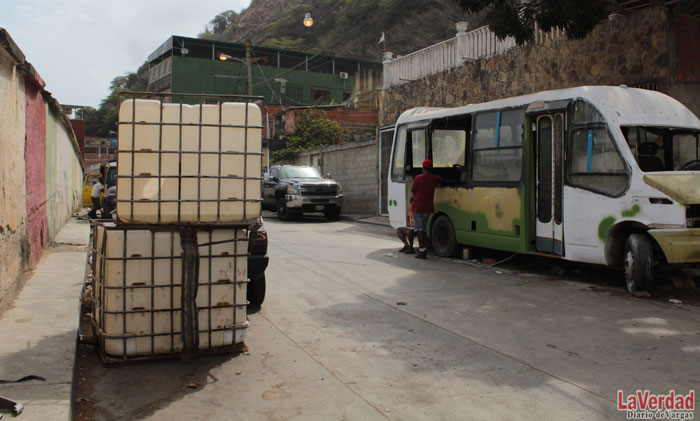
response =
{"points": [[466, 46]]}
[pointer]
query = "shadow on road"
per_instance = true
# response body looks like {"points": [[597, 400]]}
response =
{"points": [[137, 390]]}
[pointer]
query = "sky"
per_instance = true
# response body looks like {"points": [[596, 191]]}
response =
{"points": [[79, 46]]}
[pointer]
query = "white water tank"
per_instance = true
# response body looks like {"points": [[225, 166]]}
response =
{"points": [[180, 163], [137, 289]]}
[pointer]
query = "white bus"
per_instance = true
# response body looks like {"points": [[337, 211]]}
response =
{"points": [[597, 174]]}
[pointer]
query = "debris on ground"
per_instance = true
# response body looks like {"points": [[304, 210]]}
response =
{"points": [[10, 405], [641, 294], [390, 254], [675, 301], [400, 303]]}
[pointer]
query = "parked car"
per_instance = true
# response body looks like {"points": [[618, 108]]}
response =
{"points": [[291, 190], [257, 263], [109, 198], [88, 183]]}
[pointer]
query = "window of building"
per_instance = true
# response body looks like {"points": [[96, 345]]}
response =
{"points": [[320, 96], [293, 95]]}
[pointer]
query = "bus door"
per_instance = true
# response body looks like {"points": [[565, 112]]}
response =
{"points": [[549, 128], [407, 158]]}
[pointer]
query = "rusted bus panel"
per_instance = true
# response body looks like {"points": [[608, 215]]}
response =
{"points": [[679, 245], [486, 217]]}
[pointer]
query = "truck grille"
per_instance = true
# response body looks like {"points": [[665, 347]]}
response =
{"points": [[319, 191], [692, 216]]}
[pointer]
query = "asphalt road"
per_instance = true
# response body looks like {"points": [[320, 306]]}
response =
{"points": [[351, 329]]}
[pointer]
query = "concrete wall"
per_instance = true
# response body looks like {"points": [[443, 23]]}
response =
{"points": [[63, 173], [637, 49], [40, 168], [354, 166], [14, 247]]}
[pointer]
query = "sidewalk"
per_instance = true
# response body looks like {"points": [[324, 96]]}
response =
{"points": [[39, 333], [374, 220]]}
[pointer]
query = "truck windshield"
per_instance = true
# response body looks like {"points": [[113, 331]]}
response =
{"points": [[664, 148], [300, 172], [111, 177]]}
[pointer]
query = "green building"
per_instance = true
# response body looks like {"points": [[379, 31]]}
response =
{"points": [[283, 77]]}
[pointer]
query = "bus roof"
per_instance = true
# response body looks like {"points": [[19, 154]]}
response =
{"points": [[620, 105]]}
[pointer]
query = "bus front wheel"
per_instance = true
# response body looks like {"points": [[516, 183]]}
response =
{"points": [[443, 237], [639, 263]]}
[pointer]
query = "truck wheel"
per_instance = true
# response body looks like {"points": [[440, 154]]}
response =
{"points": [[256, 290], [283, 211], [443, 237], [639, 263], [332, 212]]}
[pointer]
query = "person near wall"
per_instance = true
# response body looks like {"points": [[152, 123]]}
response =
{"points": [[423, 190], [95, 196]]}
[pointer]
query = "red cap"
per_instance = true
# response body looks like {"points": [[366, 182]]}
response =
{"points": [[428, 164]]}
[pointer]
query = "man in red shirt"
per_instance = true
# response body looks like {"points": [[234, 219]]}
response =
{"points": [[423, 189]]}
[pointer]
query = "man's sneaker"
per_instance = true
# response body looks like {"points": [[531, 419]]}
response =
{"points": [[404, 249], [421, 254], [410, 250]]}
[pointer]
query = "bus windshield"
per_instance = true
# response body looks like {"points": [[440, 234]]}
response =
{"points": [[664, 148]]}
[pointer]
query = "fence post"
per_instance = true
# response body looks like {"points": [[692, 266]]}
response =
{"points": [[461, 45], [387, 70]]}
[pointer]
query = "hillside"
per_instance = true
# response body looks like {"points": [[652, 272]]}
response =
{"points": [[344, 28]]}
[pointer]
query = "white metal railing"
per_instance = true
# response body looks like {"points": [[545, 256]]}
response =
{"points": [[466, 46]]}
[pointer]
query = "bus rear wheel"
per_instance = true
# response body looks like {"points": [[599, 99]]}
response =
{"points": [[443, 237], [639, 263]]}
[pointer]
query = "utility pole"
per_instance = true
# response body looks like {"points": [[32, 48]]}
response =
{"points": [[250, 72]]}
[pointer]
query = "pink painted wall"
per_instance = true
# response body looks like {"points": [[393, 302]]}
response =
{"points": [[35, 158]]}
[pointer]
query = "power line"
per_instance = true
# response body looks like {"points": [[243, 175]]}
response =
{"points": [[360, 26]]}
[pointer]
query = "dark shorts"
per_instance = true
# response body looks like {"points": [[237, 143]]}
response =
{"points": [[420, 221]]}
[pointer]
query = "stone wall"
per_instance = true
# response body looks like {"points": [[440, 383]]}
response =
{"points": [[354, 166], [634, 50]]}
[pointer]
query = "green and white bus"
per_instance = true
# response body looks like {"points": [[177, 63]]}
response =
{"points": [[597, 174]]}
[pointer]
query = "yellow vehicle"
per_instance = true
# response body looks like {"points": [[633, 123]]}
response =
{"points": [[88, 183]]}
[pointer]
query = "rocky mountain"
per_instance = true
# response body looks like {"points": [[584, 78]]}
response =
{"points": [[342, 28]]}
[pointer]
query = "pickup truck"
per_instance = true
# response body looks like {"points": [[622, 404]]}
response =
{"points": [[291, 190]]}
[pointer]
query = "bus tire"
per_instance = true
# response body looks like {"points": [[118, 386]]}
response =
{"points": [[639, 263], [443, 237], [256, 291]]}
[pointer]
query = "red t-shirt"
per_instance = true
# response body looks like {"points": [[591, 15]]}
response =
{"points": [[423, 189]]}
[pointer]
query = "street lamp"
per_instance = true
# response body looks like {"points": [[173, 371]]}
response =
{"points": [[308, 20], [226, 57]]}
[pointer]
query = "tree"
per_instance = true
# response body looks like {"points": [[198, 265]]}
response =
{"points": [[102, 121], [312, 129], [517, 18]]}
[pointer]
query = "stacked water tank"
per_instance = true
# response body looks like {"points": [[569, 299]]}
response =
{"points": [[170, 275]]}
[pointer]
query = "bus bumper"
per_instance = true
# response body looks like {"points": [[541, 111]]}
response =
{"points": [[681, 245]]}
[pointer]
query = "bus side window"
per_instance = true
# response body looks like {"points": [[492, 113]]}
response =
{"points": [[497, 146], [449, 148], [417, 151], [594, 163], [398, 163]]}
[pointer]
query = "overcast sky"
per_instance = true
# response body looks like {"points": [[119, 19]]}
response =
{"points": [[79, 46]]}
